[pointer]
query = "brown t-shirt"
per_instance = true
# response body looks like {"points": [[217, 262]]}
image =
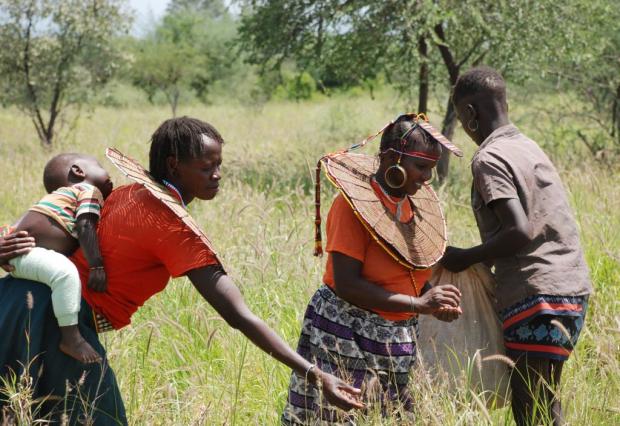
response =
{"points": [[510, 165]]}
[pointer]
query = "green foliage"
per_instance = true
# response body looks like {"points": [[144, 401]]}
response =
{"points": [[591, 69], [296, 87], [421, 46], [186, 53], [213, 8], [350, 42], [56, 54], [169, 61]]}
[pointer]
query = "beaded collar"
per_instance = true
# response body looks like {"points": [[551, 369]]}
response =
{"points": [[175, 191], [399, 207]]}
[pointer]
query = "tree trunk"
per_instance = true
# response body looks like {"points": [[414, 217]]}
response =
{"points": [[423, 80], [45, 132], [449, 120], [371, 90], [447, 129], [174, 101], [48, 137]]}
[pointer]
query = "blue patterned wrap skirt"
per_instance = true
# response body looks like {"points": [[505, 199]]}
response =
{"points": [[62, 386], [357, 345]]}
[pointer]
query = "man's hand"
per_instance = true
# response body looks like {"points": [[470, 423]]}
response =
{"points": [[97, 280], [456, 259], [14, 245]]}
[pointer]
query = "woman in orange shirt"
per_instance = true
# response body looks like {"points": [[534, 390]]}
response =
{"points": [[384, 230], [146, 236]]}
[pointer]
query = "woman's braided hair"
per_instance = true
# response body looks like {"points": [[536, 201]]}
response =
{"points": [[181, 138]]}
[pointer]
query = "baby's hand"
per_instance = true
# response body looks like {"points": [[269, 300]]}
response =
{"points": [[97, 280]]}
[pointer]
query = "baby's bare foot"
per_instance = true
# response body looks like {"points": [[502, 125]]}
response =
{"points": [[73, 344]]}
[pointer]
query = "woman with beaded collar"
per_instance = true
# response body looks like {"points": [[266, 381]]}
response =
{"points": [[385, 229]]}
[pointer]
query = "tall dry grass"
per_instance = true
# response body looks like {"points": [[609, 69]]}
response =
{"points": [[179, 363]]}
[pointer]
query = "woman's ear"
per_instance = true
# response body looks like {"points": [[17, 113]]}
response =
{"points": [[171, 166], [388, 157]]}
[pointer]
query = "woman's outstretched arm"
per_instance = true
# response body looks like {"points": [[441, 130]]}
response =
{"points": [[218, 289]]}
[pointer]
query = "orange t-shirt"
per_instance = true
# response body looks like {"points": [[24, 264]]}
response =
{"points": [[347, 235], [142, 244]]}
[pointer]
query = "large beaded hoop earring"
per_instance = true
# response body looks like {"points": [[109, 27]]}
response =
{"points": [[393, 181], [433, 176]]}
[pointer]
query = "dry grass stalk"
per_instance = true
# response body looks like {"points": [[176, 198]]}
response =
{"points": [[482, 407], [29, 301], [501, 358], [563, 329], [478, 361]]}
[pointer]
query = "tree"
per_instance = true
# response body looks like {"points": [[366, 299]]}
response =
{"points": [[591, 68], [424, 42], [186, 52], [214, 8], [165, 66], [56, 54]]}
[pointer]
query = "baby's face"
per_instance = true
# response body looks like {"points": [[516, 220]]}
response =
{"points": [[96, 175]]}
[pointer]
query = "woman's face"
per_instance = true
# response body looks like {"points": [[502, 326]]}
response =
{"points": [[419, 171], [200, 177]]}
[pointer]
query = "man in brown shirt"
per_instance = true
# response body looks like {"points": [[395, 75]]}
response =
{"points": [[530, 235], [508, 165]]}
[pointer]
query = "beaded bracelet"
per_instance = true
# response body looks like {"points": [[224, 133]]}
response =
{"points": [[411, 301]]}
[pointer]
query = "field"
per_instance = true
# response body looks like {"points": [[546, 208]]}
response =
{"points": [[179, 363]]}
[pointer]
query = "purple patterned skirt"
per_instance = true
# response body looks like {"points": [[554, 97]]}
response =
{"points": [[360, 347]]}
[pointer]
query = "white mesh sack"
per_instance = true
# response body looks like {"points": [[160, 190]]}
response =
{"points": [[458, 349]]}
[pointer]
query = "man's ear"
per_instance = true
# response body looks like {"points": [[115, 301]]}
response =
{"points": [[76, 172], [171, 166], [472, 114]]}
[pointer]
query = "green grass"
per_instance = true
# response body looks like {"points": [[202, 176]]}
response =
{"points": [[179, 363]]}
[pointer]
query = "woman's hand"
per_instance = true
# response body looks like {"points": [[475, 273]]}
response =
{"points": [[441, 296], [448, 314], [337, 392], [456, 259], [14, 245]]}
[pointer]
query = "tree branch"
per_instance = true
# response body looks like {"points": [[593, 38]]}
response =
{"points": [[446, 54], [471, 52]]}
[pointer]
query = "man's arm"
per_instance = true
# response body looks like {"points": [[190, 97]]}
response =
{"points": [[514, 234], [221, 293]]}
